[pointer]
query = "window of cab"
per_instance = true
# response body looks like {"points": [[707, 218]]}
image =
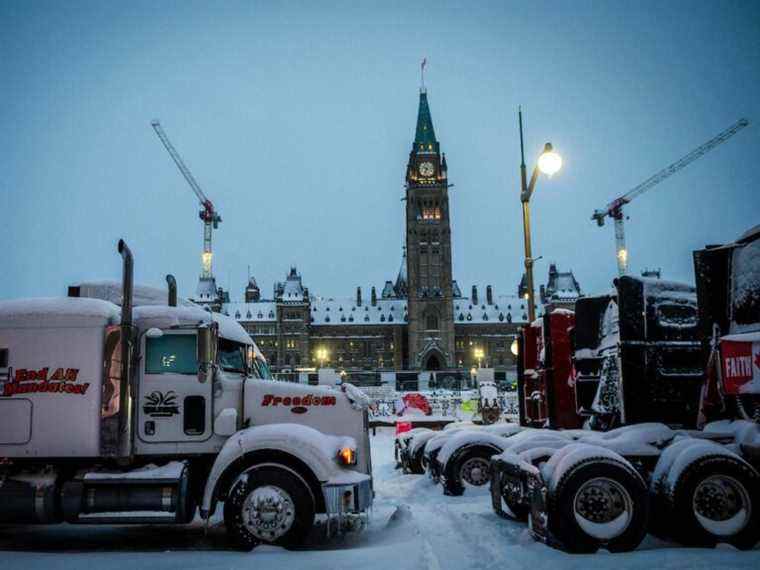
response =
{"points": [[171, 354], [233, 356]]}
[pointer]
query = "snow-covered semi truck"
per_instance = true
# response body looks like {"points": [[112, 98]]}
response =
{"points": [[148, 414], [584, 490]]}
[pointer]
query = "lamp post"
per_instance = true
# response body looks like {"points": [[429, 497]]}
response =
{"points": [[549, 163]]}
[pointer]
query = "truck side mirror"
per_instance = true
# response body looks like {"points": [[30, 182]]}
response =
{"points": [[207, 342]]}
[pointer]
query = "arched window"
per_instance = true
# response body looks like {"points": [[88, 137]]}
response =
{"points": [[431, 322]]}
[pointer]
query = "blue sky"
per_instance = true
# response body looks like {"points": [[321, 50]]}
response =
{"points": [[297, 120]]}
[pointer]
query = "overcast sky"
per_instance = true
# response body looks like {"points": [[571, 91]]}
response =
{"points": [[297, 120]]}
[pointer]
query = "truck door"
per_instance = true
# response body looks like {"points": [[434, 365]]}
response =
{"points": [[174, 406]]}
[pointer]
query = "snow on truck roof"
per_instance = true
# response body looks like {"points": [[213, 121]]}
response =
{"points": [[151, 309], [46, 311], [165, 317], [86, 311], [141, 294]]}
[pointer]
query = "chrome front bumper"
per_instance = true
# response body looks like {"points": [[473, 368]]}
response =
{"points": [[349, 498]]}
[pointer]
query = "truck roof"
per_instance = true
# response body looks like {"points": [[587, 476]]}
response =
{"points": [[165, 317], [109, 290], [57, 311]]}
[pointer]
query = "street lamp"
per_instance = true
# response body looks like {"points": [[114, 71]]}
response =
{"points": [[515, 348], [549, 163], [322, 356], [479, 354]]}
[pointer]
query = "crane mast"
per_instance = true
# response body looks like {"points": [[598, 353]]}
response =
{"points": [[614, 209], [207, 214]]}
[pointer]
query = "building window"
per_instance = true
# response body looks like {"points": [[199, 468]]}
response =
{"points": [[431, 213], [431, 322]]}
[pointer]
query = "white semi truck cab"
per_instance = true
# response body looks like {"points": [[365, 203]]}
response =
{"points": [[113, 413]]}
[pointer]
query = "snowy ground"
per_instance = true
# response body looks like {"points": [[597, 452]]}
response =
{"points": [[413, 526]]}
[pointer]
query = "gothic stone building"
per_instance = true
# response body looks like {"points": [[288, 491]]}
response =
{"points": [[420, 321]]}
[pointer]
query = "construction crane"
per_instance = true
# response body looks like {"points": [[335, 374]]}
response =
{"points": [[207, 214], [614, 209]]}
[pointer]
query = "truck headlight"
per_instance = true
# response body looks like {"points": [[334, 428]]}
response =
{"points": [[347, 456]]}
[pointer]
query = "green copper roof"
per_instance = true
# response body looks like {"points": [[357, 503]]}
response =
{"points": [[425, 133]]}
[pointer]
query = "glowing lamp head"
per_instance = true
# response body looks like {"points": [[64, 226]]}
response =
{"points": [[515, 348], [549, 162]]}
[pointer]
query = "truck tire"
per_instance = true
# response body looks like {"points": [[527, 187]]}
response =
{"points": [[415, 462], [599, 502], [471, 467], [518, 510], [715, 499], [269, 505]]}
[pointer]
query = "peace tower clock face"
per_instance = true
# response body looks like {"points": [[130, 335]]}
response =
{"points": [[426, 168]]}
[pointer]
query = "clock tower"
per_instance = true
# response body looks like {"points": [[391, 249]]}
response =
{"points": [[428, 248]]}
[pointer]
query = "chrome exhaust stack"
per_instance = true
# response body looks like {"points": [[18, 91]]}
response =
{"points": [[127, 388], [172, 282]]}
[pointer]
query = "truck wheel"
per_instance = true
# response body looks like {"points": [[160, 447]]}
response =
{"points": [[472, 468], [600, 502], [415, 463], [716, 499], [520, 509], [269, 505]]}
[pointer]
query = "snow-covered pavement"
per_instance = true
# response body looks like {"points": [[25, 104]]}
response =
{"points": [[412, 526]]}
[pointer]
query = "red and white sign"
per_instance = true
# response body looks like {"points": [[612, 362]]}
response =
{"points": [[741, 367], [29, 381]]}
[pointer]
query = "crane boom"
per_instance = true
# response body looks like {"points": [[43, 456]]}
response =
{"points": [[179, 162], [208, 214], [614, 209]]}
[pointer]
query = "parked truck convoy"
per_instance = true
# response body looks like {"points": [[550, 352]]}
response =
{"points": [[665, 380], [146, 411]]}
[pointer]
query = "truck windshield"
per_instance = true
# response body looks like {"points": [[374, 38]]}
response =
{"points": [[171, 353], [231, 356], [746, 287], [262, 369]]}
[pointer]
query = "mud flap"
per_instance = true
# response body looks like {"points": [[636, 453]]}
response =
{"points": [[538, 521]]}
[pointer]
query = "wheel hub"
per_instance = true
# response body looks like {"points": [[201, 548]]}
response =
{"points": [[475, 471], [603, 508], [268, 513], [722, 499]]}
